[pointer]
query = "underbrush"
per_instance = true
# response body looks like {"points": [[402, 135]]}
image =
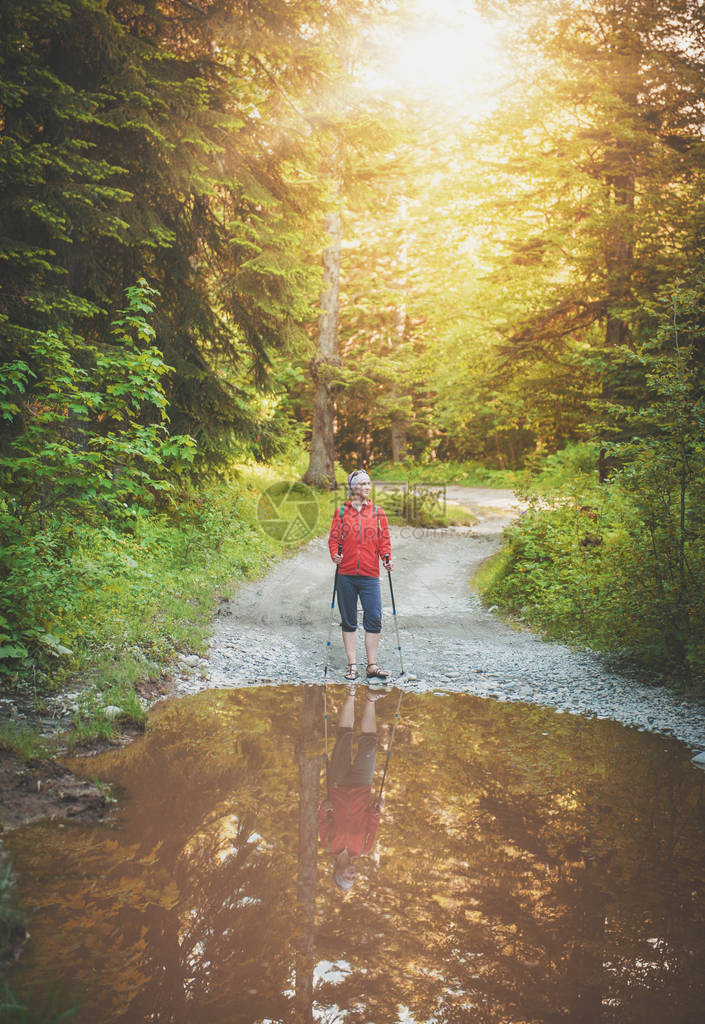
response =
{"points": [[575, 465], [604, 566], [113, 606]]}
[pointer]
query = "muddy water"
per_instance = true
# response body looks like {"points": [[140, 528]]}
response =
{"points": [[529, 867]]}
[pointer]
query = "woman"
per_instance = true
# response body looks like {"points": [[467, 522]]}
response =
{"points": [[363, 531]]}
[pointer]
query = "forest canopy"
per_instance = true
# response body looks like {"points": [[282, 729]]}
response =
{"points": [[520, 194], [502, 203]]}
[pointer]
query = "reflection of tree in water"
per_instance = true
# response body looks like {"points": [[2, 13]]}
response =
{"points": [[231, 868], [308, 756], [243, 933], [521, 876], [213, 948], [528, 878], [185, 911]]}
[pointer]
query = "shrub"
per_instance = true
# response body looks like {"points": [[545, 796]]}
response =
{"points": [[600, 568]]}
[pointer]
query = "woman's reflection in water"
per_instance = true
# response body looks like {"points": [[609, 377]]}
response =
{"points": [[348, 818]]}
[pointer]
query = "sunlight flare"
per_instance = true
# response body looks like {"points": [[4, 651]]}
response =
{"points": [[445, 52]]}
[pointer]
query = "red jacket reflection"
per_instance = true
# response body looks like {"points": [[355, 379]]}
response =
{"points": [[352, 822]]}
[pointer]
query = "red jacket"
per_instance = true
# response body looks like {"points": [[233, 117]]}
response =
{"points": [[365, 539], [351, 824]]}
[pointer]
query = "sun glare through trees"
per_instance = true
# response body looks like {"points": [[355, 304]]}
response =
{"points": [[444, 53], [249, 246]]}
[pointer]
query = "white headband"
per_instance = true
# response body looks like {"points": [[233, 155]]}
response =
{"points": [[358, 476]]}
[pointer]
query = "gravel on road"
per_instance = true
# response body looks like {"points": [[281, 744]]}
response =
{"points": [[274, 631]]}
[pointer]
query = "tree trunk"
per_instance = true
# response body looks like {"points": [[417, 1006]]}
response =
{"points": [[398, 441], [619, 247], [619, 260], [398, 424], [324, 366], [398, 421]]}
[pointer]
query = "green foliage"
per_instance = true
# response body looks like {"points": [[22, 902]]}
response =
{"points": [[117, 605], [549, 472], [589, 568], [26, 741], [611, 568], [131, 147], [497, 281], [90, 448], [622, 566], [91, 434]]}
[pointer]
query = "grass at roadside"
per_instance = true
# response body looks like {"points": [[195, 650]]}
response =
{"points": [[121, 605], [459, 515], [427, 510], [24, 740], [490, 570]]}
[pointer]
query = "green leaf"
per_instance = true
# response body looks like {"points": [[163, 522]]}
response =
{"points": [[13, 651]]}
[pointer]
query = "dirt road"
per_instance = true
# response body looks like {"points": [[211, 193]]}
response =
{"points": [[275, 629]]}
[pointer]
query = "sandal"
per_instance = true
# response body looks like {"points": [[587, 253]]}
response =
{"points": [[379, 673], [374, 695], [352, 672]]}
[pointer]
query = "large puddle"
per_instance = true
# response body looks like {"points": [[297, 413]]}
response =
{"points": [[529, 867]]}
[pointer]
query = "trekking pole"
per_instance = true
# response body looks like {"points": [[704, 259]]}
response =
{"points": [[394, 609], [389, 748]]}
